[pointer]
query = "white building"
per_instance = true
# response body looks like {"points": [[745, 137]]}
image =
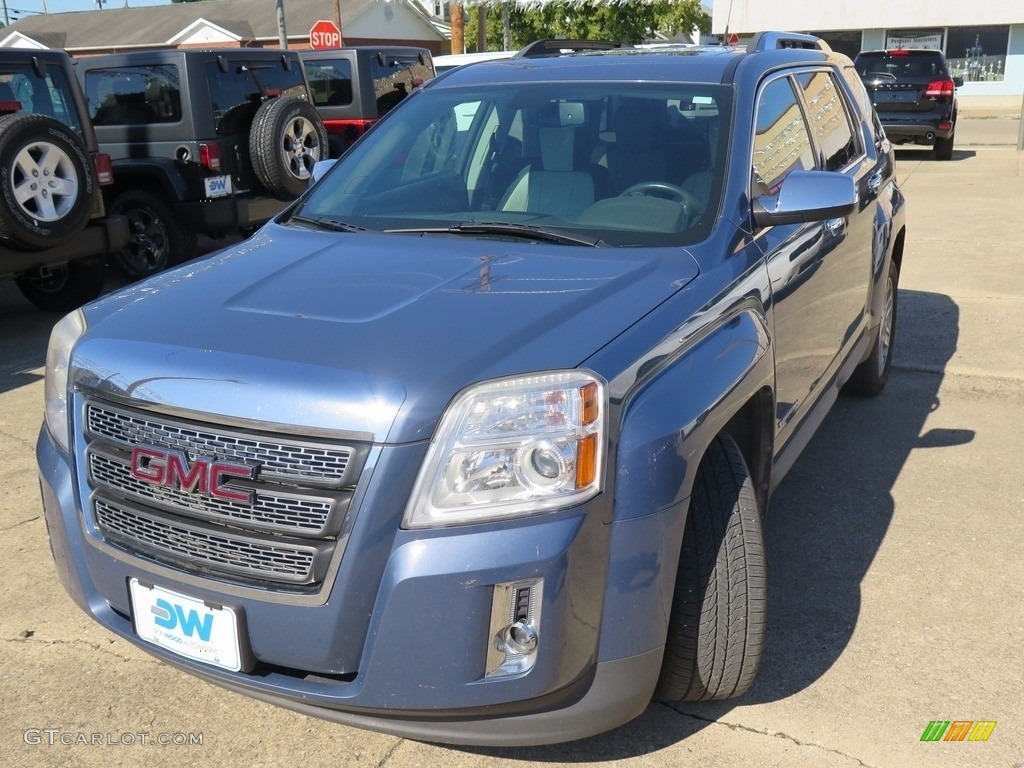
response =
{"points": [[983, 41]]}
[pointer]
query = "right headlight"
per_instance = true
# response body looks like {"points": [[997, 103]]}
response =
{"points": [[513, 447], [58, 357]]}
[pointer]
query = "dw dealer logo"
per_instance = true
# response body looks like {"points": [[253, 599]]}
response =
{"points": [[958, 730]]}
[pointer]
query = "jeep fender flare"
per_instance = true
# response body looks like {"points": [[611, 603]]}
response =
{"points": [[156, 175], [667, 423]]}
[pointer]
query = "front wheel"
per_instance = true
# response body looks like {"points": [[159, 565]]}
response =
{"points": [[717, 623], [157, 240], [869, 378]]}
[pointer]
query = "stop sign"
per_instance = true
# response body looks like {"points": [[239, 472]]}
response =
{"points": [[324, 34]]}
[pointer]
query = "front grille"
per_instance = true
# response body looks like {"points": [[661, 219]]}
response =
{"points": [[285, 536], [287, 461], [231, 552]]}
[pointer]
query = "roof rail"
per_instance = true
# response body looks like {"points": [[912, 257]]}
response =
{"points": [[541, 48], [768, 41]]}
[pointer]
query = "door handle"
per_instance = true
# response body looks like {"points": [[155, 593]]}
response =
{"points": [[875, 182], [835, 226]]}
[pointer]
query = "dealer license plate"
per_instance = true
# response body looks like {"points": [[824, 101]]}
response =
{"points": [[218, 186], [186, 626]]}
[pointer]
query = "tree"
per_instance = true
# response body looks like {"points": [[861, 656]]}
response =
{"points": [[632, 21]]}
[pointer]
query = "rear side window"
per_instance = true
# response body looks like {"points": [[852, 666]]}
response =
{"points": [[239, 92], [134, 95], [781, 141], [330, 81], [49, 95], [394, 77], [828, 119]]}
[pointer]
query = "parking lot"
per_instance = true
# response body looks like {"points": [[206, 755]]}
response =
{"points": [[894, 549]]}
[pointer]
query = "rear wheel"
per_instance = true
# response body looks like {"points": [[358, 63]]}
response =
{"points": [[158, 241], [944, 148], [717, 624], [869, 378], [63, 288]]}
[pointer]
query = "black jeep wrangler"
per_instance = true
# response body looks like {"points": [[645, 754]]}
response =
{"points": [[353, 87], [54, 235], [208, 142]]}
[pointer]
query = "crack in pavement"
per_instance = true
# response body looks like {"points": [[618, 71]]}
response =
{"points": [[390, 752], [20, 523], [773, 734], [957, 373], [94, 646]]}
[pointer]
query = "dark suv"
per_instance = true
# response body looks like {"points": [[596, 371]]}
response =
{"points": [[203, 141], [356, 86], [54, 235], [914, 95], [475, 443]]}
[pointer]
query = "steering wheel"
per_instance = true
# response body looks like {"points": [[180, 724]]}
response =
{"points": [[691, 204]]}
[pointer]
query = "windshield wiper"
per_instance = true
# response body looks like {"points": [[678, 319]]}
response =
{"points": [[527, 231], [331, 225]]}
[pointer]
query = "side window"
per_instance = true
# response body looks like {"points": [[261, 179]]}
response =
{"points": [[781, 141], [433, 151], [828, 118], [330, 81], [133, 95]]}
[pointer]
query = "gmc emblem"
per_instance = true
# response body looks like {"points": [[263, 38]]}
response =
{"points": [[205, 477]]}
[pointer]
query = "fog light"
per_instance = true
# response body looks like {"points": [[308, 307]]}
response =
{"points": [[514, 632]]}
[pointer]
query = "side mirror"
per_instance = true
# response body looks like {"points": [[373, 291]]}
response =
{"points": [[807, 196], [958, 81], [320, 168]]}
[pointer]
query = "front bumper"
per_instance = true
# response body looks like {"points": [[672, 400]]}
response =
{"points": [[418, 670]]}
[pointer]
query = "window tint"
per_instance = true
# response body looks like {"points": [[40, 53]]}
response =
{"points": [[394, 77], [330, 80], [781, 141], [133, 95], [239, 92], [46, 95], [828, 118]]}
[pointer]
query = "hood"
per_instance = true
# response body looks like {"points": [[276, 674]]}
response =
{"points": [[364, 333]]}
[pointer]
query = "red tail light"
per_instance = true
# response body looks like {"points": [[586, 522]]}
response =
{"points": [[209, 156], [940, 89], [104, 168], [6, 107]]}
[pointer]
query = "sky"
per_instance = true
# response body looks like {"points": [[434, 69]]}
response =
{"points": [[16, 9]]}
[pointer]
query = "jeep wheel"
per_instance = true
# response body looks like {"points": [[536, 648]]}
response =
{"points": [[869, 378], [157, 240], [63, 288], [46, 181], [717, 624], [287, 139], [944, 148]]}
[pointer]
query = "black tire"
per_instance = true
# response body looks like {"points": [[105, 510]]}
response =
{"points": [[158, 241], [287, 139], [717, 624], [63, 288], [944, 148], [46, 182], [869, 378]]}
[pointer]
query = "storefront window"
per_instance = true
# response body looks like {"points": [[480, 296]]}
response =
{"points": [[848, 42], [978, 54]]}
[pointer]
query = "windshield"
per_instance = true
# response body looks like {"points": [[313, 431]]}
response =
{"points": [[622, 164]]}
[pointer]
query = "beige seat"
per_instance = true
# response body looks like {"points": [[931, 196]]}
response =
{"points": [[551, 187]]}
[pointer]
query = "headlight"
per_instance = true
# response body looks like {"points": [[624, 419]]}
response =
{"points": [[58, 357], [513, 447]]}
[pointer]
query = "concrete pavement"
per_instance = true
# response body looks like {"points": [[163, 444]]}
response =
{"points": [[894, 551]]}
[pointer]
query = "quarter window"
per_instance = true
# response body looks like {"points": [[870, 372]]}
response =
{"points": [[133, 95]]}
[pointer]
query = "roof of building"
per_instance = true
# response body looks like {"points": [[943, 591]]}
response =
{"points": [[157, 25]]}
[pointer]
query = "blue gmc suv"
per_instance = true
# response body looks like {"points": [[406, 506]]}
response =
{"points": [[474, 442]]}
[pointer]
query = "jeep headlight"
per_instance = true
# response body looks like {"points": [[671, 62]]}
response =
{"points": [[58, 357], [513, 447]]}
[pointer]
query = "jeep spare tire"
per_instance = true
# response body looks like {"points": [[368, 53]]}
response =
{"points": [[287, 138], [46, 181]]}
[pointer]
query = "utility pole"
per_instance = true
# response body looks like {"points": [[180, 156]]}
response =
{"points": [[7, 16], [282, 33], [481, 27], [337, 13], [458, 27], [506, 29]]}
